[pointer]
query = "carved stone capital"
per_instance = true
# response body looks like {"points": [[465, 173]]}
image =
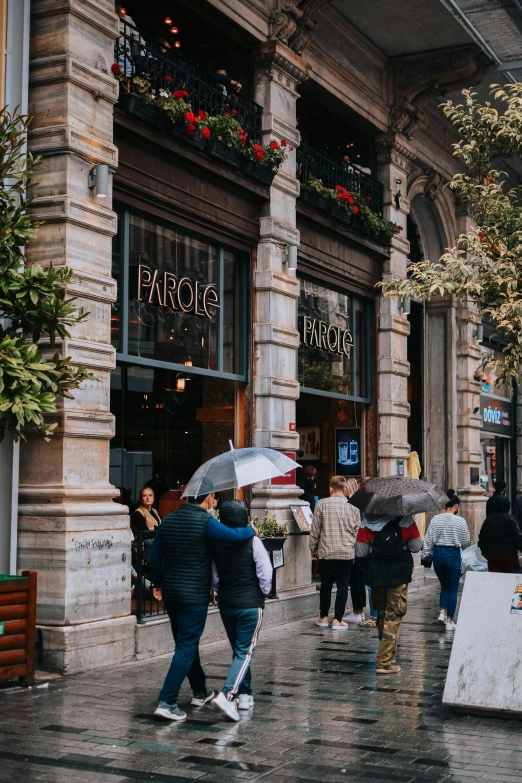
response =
{"points": [[419, 77], [281, 63], [432, 184], [391, 149], [294, 22]]}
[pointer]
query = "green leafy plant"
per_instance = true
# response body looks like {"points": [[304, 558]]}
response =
{"points": [[354, 203], [269, 527], [485, 266], [33, 301]]}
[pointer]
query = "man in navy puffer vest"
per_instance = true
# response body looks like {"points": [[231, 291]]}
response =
{"points": [[181, 568], [242, 577]]}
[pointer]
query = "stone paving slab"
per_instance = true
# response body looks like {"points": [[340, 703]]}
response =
{"points": [[321, 714]]}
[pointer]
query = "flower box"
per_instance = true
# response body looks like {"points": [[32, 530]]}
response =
{"points": [[133, 104], [258, 172], [340, 213], [220, 151], [274, 543], [315, 198], [192, 139]]}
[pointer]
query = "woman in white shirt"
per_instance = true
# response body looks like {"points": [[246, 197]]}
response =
{"points": [[447, 534]]}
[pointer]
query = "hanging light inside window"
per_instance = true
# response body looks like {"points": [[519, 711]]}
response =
{"points": [[188, 363], [181, 382], [177, 44], [167, 20], [174, 30]]}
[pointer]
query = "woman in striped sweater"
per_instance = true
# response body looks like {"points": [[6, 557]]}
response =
{"points": [[447, 535]]}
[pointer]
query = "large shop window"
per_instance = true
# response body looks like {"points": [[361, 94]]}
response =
{"points": [[182, 299], [180, 331], [334, 352]]}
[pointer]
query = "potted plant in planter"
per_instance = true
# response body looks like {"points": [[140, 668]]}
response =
{"points": [[261, 163], [139, 99], [272, 533], [225, 135]]}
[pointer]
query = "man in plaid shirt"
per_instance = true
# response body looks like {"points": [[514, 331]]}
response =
{"points": [[332, 538]]}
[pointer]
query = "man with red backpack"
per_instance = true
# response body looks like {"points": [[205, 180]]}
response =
{"points": [[384, 549]]}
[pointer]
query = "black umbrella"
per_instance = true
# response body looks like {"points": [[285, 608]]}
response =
{"points": [[397, 496]]}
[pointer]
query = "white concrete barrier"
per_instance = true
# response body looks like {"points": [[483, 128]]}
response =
{"points": [[485, 669]]}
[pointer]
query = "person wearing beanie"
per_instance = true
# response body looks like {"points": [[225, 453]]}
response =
{"points": [[242, 577]]}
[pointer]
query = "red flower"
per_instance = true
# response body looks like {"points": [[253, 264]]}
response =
{"points": [[206, 133], [242, 139], [260, 155], [115, 68], [191, 129], [340, 196], [189, 117], [368, 199], [339, 188], [234, 111], [274, 145], [168, 78], [180, 94], [400, 228], [351, 200], [226, 113], [223, 105], [257, 147], [355, 210], [202, 114], [241, 131], [291, 149], [283, 142]]}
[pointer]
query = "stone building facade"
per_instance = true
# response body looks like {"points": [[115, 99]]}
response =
{"points": [[330, 80]]}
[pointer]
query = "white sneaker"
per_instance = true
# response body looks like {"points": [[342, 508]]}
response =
{"points": [[246, 702], [442, 618], [450, 627], [226, 707], [354, 618]]}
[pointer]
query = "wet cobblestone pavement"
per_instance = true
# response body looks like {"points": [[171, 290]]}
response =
{"points": [[321, 714]]}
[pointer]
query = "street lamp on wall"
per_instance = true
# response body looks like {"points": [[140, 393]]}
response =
{"points": [[99, 180], [290, 257], [479, 333], [405, 305]]}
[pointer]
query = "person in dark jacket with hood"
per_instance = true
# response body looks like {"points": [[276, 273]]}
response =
{"points": [[242, 577], [384, 549], [497, 501], [181, 568], [500, 540]]}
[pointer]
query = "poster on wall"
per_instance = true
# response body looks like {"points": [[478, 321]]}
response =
{"points": [[348, 456], [309, 443]]}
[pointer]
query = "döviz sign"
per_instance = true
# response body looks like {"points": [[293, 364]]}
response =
{"points": [[326, 337], [496, 415], [183, 294]]}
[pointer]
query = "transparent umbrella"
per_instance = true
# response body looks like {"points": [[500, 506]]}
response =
{"points": [[238, 468]]}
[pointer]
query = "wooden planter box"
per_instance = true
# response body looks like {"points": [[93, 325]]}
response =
{"points": [[133, 104], [315, 199], [17, 627], [220, 151], [193, 139], [260, 173], [340, 213]]}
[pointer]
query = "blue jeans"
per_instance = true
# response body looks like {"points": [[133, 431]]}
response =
{"points": [[187, 623], [242, 627], [447, 563], [373, 610]]}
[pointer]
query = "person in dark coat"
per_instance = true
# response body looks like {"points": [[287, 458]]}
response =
{"points": [[310, 482], [500, 541], [498, 500], [181, 576]]}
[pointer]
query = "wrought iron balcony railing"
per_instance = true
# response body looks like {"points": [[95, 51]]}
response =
{"points": [[315, 160], [138, 56]]}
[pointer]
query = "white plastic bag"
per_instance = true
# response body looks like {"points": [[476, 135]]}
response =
{"points": [[473, 560]]}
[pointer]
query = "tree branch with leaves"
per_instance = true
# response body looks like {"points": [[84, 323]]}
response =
{"points": [[485, 266], [33, 301]]}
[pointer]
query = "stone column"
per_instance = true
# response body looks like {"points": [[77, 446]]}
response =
{"points": [[469, 422], [393, 163], [70, 530], [276, 338]]}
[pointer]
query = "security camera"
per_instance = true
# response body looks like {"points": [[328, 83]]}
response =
{"points": [[476, 410]]}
